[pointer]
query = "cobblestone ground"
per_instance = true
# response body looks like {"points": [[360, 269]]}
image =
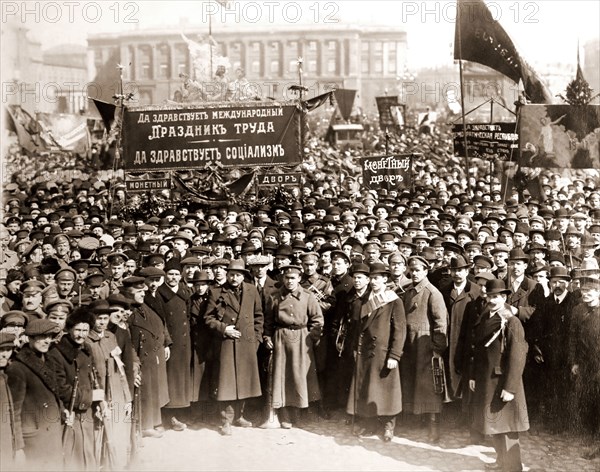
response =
{"points": [[329, 445]]}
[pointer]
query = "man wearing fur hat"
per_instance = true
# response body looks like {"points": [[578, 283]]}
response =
{"points": [[72, 363]]}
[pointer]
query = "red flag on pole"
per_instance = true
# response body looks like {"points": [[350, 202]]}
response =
{"points": [[479, 38]]}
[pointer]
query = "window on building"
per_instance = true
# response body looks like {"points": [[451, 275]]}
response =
{"points": [[364, 57], [312, 65], [378, 57], [312, 46], [274, 67], [275, 46], [392, 62], [332, 45], [256, 47], [293, 65], [255, 67], [146, 71], [164, 71], [331, 66], [181, 68]]}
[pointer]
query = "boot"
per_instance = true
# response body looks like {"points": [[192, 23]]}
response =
{"points": [[434, 428]]}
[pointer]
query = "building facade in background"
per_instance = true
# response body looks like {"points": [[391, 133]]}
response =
{"points": [[370, 60]]}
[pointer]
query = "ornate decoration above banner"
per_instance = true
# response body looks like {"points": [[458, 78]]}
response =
{"points": [[560, 136], [188, 137], [387, 171], [488, 140]]}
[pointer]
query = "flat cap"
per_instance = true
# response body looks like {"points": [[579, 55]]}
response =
{"points": [[41, 327]]}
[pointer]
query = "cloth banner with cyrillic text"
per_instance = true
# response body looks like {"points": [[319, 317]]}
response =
{"points": [[391, 172], [175, 138]]}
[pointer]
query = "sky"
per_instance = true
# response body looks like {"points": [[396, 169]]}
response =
{"points": [[544, 31]]}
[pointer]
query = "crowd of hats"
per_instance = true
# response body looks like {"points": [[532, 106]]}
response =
{"points": [[77, 213]]}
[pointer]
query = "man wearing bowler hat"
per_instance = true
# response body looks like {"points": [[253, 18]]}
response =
{"points": [[234, 316], [460, 296], [548, 334], [500, 409]]}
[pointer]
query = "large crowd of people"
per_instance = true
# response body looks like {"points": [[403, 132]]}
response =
{"points": [[449, 301]]}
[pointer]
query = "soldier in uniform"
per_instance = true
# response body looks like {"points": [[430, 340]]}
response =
{"points": [[326, 357], [65, 283], [293, 325], [32, 301], [116, 270]]}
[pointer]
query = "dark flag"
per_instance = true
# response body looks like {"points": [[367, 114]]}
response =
{"points": [[28, 130], [345, 101], [107, 112], [107, 82], [316, 102], [479, 38]]}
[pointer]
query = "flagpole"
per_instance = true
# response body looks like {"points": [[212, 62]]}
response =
{"points": [[462, 96]]}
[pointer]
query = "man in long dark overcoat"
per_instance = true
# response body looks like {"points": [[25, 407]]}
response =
{"points": [[175, 295], [36, 398], [234, 315], [499, 404], [375, 390], [150, 339]]}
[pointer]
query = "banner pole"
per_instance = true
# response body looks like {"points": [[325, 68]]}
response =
{"points": [[462, 96]]}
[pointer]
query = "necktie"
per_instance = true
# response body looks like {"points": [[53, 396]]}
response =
{"points": [[557, 301], [453, 294]]}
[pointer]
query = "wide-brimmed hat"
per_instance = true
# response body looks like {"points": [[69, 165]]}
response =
{"points": [[495, 286], [237, 265], [459, 262], [559, 273], [378, 268], [517, 254], [360, 269], [201, 276]]}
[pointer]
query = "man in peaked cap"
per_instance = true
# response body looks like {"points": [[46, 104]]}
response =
{"points": [[58, 310], [238, 328], [66, 283], [32, 299], [426, 313], [293, 325]]}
